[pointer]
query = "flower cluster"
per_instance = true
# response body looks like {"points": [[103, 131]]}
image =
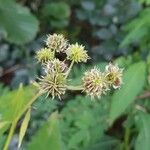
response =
{"points": [[96, 83], [55, 80]]}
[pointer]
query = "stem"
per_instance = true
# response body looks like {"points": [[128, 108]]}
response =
{"points": [[146, 94], [74, 88], [11, 132], [126, 139], [14, 123], [70, 67], [29, 104]]}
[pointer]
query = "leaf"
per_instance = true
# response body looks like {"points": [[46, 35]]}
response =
{"points": [[24, 126], [78, 138], [133, 79], [56, 10], [19, 24], [48, 136], [80, 131], [138, 28], [13, 103], [145, 1], [105, 143], [3, 123], [143, 139]]}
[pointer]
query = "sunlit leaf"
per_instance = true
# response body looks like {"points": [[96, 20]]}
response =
{"points": [[24, 126], [13, 103]]}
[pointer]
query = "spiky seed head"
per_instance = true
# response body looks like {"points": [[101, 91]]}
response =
{"points": [[53, 85], [55, 66], [94, 83], [77, 53], [44, 55], [57, 42], [113, 75]]}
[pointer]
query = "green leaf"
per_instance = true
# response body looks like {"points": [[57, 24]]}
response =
{"points": [[133, 79], [105, 143], [3, 123], [13, 103], [143, 139], [138, 28], [56, 10], [145, 1], [18, 24], [80, 131], [48, 137], [24, 126]]}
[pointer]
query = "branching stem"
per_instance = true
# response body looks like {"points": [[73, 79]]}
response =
{"points": [[75, 88], [70, 67], [14, 123]]}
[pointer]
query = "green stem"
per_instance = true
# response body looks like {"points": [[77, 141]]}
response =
{"points": [[126, 139], [29, 104], [14, 123], [11, 132], [70, 67], [74, 88]]}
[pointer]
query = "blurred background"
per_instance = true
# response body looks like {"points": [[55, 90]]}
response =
{"points": [[111, 30]]}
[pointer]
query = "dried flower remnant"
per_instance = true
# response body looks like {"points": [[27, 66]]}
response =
{"points": [[113, 75], [44, 55], [77, 53], [94, 83], [57, 42]]}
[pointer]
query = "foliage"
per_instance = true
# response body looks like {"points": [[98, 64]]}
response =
{"points": [[140, 28], [81, 131], [48, 136], [57, 14], [111, 30], [17, 24], [142, 141], [135, 75]]}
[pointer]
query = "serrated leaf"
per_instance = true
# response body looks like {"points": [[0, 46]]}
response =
{"points": [[24, 127], [48, 136], [143, 139], [134, 78], [19, 24]]}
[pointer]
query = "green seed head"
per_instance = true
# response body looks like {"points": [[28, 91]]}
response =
{"points": [[53, 85], [44, 55], [77, 53]]}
